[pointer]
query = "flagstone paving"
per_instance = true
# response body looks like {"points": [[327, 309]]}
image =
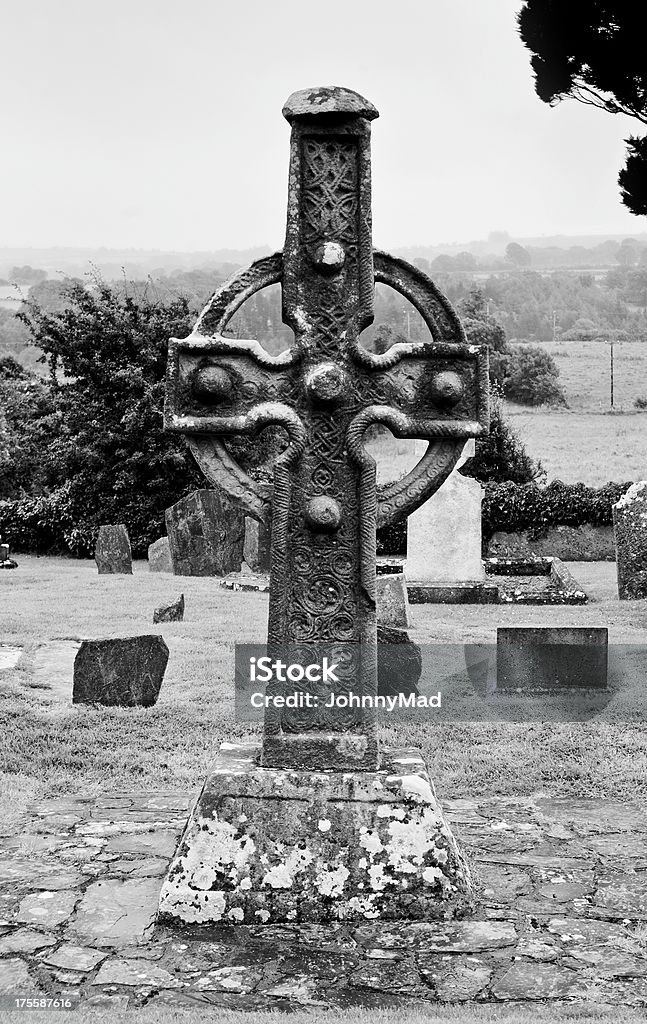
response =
{"points": [[562, 916]]}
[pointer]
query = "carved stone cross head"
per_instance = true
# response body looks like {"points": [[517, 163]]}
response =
{"points": [[325, 392]]}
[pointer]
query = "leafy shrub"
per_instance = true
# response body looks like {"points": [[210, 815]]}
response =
{"points": [[530, 377], [640, 402], [44, 525], [501, 455]]}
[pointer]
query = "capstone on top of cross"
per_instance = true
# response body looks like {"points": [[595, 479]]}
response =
{"points": [[327, 101]]}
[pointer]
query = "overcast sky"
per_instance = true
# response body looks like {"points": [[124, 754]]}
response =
{"points": [[157, 123]]}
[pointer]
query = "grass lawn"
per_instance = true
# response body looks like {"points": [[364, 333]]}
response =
{"points": [[471, 1012], [49, 749]]}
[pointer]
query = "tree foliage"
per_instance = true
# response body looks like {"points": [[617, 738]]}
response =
{"points": [[28, 423], [516, 254], [524, 373], [106, 352], [594, 51], [501, 455]]}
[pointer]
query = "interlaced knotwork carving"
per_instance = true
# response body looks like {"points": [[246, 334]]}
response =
{"points": [[330, 197]]}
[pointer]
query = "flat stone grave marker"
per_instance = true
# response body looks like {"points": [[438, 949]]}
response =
{"points": [[9, 656], [206, 534], [122, 672], [159, 556], [630, 532], [112, 551], [550, 658], [316, 822]]}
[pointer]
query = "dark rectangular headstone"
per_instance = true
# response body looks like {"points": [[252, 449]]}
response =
{"points": [[206, 534], [256, 550], [123, 672], [112, 551], [551, 658]]}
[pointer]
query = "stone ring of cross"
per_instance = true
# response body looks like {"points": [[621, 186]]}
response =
{"points": [[328, 389], [219, 385]]}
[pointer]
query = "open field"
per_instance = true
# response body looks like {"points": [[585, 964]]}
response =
{"points": [[584, 446], [50, 748], [584, 370], [589, 447]]}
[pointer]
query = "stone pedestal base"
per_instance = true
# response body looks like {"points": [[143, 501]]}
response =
{"points": [[264, 845]]}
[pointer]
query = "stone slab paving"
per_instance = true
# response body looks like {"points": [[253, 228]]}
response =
{"points": [[9, 656], [562, 916]]}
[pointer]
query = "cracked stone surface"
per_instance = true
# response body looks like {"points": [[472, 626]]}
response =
{"points": [[561, 916]]}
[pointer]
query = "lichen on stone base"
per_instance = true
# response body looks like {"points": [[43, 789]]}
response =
{"points": [[272, 845]]}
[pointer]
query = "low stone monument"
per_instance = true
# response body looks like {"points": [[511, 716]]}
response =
{"points": [[630, 532], [205, 534], [5, 561], [392, 600], [112, 551], [444, 534], [124, 672], [173, 612], [256, 549], [318, 823], [159, 556], [399, 661], [548, 658]]}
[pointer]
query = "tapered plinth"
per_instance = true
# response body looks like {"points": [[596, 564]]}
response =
{"points": [[267, 845]]}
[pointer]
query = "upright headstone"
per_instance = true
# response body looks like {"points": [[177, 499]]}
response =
{"points": [[630, 532], [159, 556], [256, 549], [122, 672], [444, 534], [399, 662], [318, 823], [205, 534], [392, 600], [112, 551]]}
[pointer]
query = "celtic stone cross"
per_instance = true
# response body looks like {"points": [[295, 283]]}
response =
{"points": [[325, 392]]}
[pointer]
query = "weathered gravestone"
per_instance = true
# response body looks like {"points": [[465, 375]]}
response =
{"points": [[173, 612], [399, 662], [444, 534], [547, 658], [112, 551], [159, 556], [630, 532], [124, 672], [392, 600], [206, 534], [318, 823], [256, 549]]}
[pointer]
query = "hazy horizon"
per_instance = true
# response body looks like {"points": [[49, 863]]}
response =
{"points": [[150, 126]]}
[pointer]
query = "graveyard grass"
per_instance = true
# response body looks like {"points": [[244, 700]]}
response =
{"points": [[50, 748], [470, 1012]]}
